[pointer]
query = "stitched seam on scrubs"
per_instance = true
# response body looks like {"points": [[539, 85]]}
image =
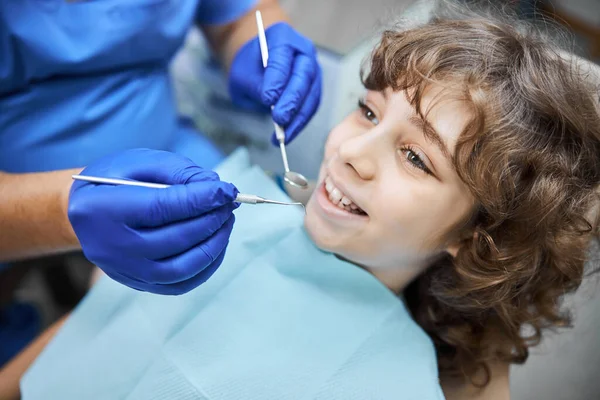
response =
{"points": [[384, 319]]}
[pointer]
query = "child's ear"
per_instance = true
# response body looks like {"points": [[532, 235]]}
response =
{"points": [[453, 249]]}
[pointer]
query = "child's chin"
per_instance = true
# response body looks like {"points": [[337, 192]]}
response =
{"points": [[324, 242], [310, 228]]}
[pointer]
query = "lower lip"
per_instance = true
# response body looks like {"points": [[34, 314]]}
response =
{"points": [[334, 212]]}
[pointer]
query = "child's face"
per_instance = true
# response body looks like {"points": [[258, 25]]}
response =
{"points": [[380, 159]]}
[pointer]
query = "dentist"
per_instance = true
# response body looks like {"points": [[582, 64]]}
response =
{"points": [[85, 83]]}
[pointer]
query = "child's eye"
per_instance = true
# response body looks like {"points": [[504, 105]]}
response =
{"points": [[367, 113], [414, 159]]}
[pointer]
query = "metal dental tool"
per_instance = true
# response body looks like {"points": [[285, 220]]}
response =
{"points": [[293, 178], [241, 198]]}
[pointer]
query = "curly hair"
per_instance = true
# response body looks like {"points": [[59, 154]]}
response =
{"points": [[531, 158]]}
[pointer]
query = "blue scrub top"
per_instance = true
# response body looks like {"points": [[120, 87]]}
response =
{"points": [[79, 80]]}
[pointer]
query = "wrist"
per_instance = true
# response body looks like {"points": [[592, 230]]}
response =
{"points": [[64, 193], [33, 215]]}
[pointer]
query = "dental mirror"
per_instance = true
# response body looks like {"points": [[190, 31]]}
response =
{"points": [[296, 179], [293, 178]]}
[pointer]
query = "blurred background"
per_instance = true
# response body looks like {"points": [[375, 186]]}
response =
{"points": [[563, 367]]}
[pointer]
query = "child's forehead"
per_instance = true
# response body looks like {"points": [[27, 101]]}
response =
{"points": [[429, 98]]}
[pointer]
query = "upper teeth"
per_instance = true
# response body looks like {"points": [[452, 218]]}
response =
{"points": [[337, 196]]}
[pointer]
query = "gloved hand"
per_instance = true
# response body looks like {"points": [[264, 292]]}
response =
{"points": [[165, 241], [291, 82]]}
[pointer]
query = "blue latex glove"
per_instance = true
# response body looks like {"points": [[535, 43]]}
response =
{"points": [[291, 82], [165, 241]]}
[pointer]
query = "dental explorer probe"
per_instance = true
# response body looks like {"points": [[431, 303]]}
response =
{"points": [[241, 198]]}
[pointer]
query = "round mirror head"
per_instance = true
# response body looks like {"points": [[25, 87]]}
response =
{"points": [[296, 179]]}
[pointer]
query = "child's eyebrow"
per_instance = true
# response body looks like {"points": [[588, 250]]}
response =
{"points": [[431, 134]]}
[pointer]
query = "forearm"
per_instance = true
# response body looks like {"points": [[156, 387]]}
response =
{"points": [[33, 214], [226, 40]]}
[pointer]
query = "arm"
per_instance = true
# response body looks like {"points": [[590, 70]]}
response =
{"points": [[33, 214], [290, 85], [225, 40], [497, 389], [165, 241]]}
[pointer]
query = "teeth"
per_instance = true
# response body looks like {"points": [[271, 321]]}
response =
{"points": [[328, 185], [339, 199], [335, 195]]}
